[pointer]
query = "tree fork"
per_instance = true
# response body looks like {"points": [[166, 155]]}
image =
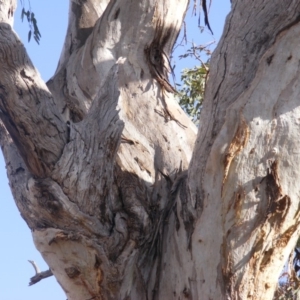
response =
{"points": [[106, 220], [115, 206]]}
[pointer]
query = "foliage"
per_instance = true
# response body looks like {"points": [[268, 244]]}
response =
{"points": [[32, 22], [191, 93], [193, 81]]}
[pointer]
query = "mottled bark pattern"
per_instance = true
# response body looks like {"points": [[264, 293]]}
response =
{"points": [[244, 168], [98, 158], [92, 162]]}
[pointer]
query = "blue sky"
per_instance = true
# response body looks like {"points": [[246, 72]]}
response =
{"points": [[16, 245]]}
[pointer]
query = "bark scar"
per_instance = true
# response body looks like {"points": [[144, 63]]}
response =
{"points": [[278, 204], [157, 59], [159, 65], [238, 143], [24, 75]]}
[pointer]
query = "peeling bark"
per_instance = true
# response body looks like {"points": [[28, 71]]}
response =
{"points": [[100, 160]]}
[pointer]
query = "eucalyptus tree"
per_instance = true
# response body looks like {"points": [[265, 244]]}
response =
{"points": [[125, 200]]}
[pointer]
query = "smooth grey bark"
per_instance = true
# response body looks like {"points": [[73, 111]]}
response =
{"points": [[100, 159]]}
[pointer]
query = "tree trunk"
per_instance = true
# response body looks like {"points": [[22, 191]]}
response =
{"points": [[99, 158]]}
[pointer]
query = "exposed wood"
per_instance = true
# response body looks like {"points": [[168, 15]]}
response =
{"points": [[38, 274]]}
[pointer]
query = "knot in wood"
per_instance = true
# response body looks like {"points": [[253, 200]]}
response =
{"points": [[156, 57], [72, 272]]}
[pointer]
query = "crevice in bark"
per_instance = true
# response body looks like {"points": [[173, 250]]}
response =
{"points": [[135, 202], [158, 238], [188, 212], [278, 204], [157, 59]]}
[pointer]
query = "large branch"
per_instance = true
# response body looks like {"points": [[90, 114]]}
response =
{"points": [[141, 148], [89, 157], [244, 171], [82, 18], [230, 75], [104, 204], [27, 108], [114, 35], [156, 140]]}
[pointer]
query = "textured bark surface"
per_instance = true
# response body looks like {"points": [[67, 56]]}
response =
{"points": [[100, 159], [244, 167]]}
